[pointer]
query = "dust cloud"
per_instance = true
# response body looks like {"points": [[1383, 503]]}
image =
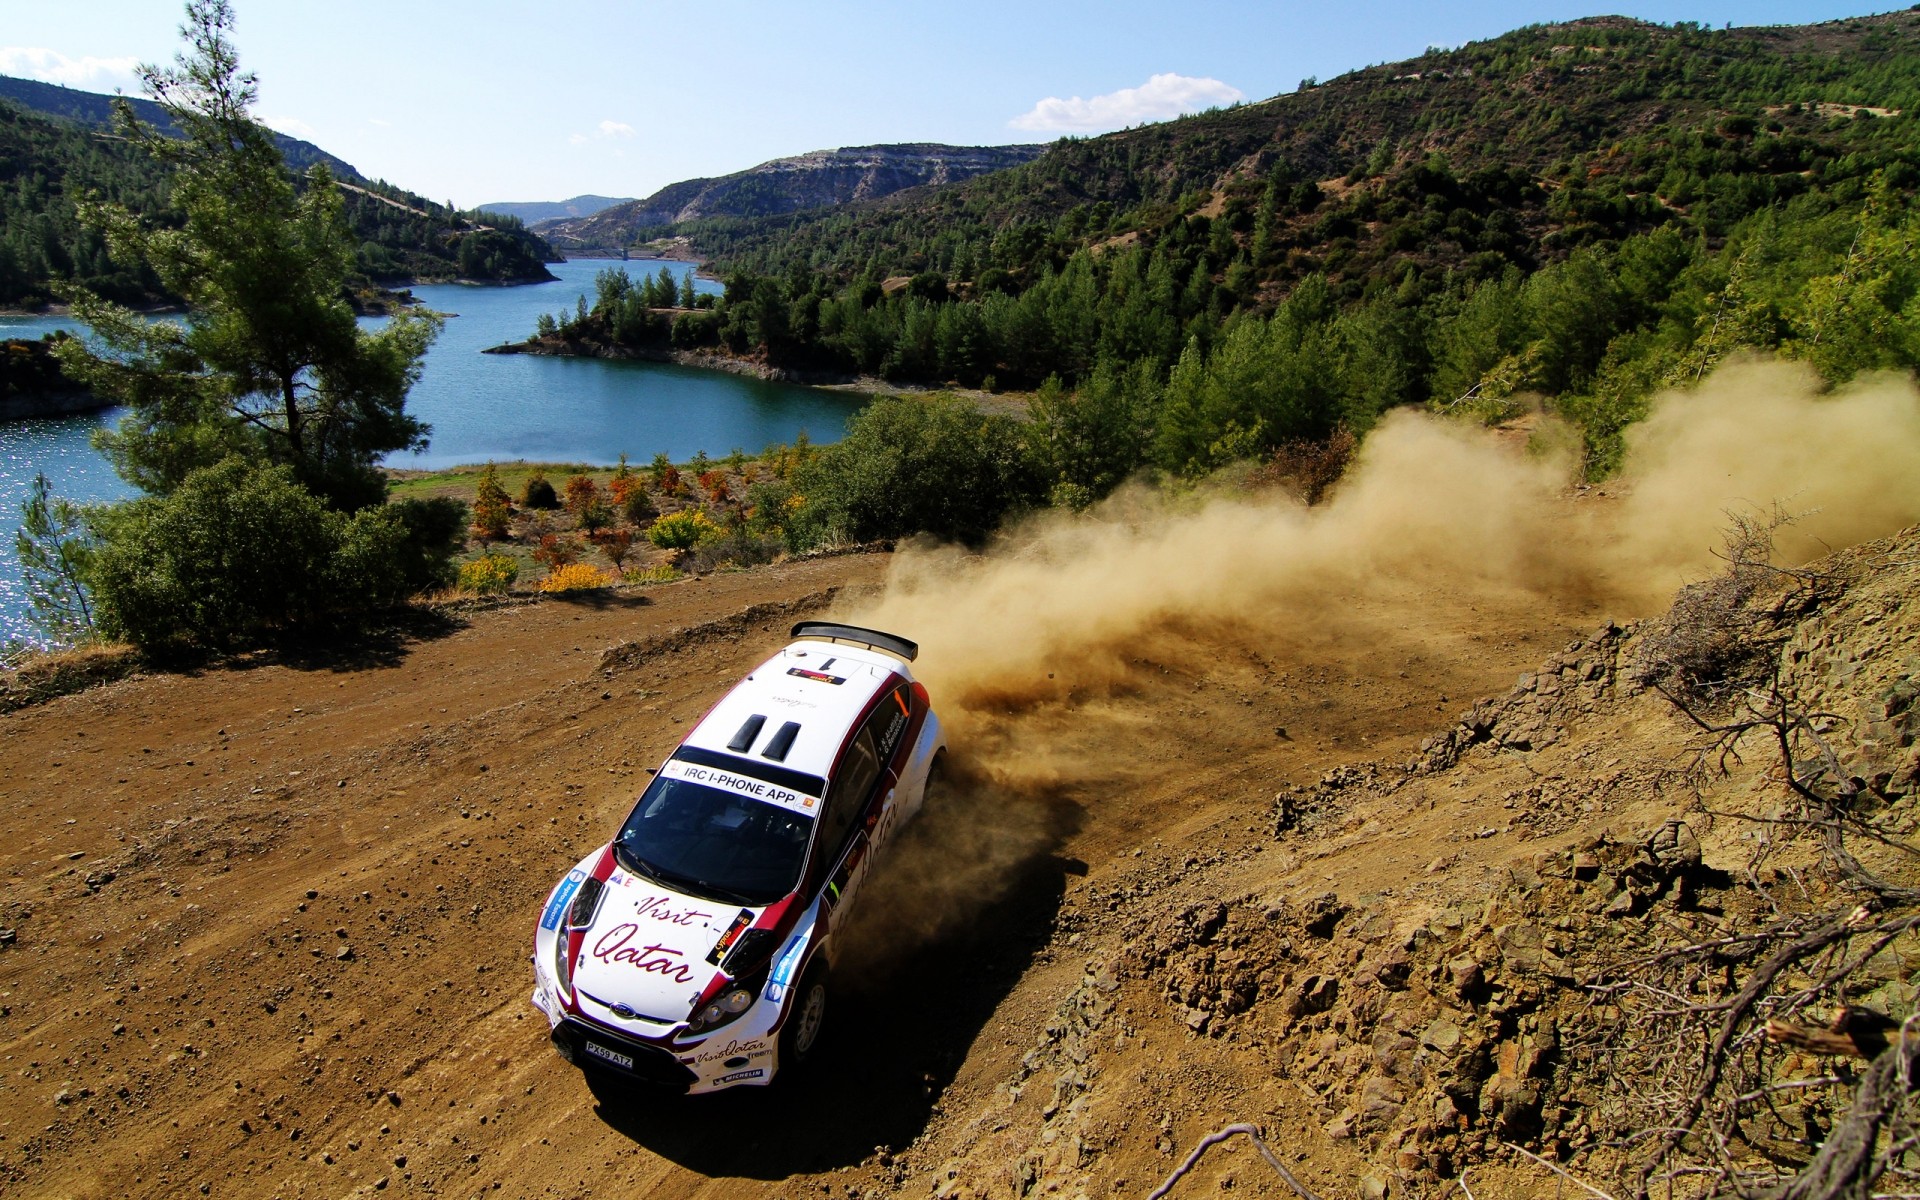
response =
{"points": [[1433, 512], [1030, 649]]}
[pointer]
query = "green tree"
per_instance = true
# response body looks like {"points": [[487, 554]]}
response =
{"points": [[236, 552], [934, 464], [53, 545], [491, 507], [269, 361]]}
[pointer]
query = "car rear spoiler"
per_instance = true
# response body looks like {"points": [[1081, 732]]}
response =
{"points": [[853, 633]]}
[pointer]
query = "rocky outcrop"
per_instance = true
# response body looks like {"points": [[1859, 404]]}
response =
{"points": [[818, 179]]}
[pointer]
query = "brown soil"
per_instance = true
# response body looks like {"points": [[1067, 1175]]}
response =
{"points": [[271, 921]]}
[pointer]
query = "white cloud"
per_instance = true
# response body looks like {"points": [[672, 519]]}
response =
{"points": [[382, 122], [51, 66], [1158, 99], [291, 126], [615, 129], [577, 139]]}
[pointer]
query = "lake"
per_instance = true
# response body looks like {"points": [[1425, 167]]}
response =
{"points": [[481, 406]]}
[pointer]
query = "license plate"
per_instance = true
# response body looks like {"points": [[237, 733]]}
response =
{"points": [[613, 1056]]}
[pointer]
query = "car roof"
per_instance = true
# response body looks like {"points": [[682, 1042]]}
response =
{"points": [[821, 687]]}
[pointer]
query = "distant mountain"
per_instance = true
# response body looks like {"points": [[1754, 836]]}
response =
{"points": [[821, 179], [56, 148], [94, 108], [532, 211]]}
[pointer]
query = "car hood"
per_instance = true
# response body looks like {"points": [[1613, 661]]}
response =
{"points": [[654, 950]]}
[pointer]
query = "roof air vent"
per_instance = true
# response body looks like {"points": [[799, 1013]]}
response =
{"points": [[781, 742], [749, 730]]}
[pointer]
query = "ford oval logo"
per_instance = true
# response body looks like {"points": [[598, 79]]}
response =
{"points": [[624, 1013]]}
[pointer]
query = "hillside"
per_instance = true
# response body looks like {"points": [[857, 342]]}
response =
{"points": [[51, 159], [804, 182], [1577, 215], [96, 110], [535, 211], [1578, 132]]}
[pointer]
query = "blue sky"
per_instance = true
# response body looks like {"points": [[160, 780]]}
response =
{"points": [[486, 101]]}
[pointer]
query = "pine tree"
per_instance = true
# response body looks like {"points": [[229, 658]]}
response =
{"points": [[269, 362]]}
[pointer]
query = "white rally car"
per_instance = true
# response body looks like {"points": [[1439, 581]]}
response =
{"points": [[693, 950]]}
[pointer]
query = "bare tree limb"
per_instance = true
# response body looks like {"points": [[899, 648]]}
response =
{"points": [[1562, 1172], [1221, 1135]]}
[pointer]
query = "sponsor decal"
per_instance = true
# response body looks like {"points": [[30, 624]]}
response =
{"points": [[727, 939], [613, 1056], [727, 781], [783, 969], [562, 896], [616, 879], [816, 676], [616, 946], [733, 1049], [737, 1076], [660, 908]]}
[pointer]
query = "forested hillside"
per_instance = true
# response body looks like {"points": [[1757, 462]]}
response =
{"points": [[1586, 211], [803, 182], [48, 163]]}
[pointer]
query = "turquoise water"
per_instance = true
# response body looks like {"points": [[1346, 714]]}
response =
{"points": [[503, 406], [481, 406]]}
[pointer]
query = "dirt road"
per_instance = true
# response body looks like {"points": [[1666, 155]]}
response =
{"points": [[271, 921]]}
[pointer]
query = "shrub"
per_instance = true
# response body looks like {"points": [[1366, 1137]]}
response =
{"points": [[629, 492], [538, 492], [235, 551], [637, 506], [683, 529], [714, 483], [556, 551], [782, 461], [737, 548], [1307, 467], [666, 477], [616, 544], [491, 508], [658, 573], [489, 575], [581, 492], [935, 464], [433, 537], [576, 577]]}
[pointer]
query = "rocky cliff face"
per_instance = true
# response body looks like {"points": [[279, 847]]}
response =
{"points": [[816, 180]]}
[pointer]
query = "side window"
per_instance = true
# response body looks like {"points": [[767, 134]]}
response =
{"points": [[867, 756], [848, 794]]}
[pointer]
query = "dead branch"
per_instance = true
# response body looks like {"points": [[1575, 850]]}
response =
{"points": [[1848, 1164], [1215, 1138], [1557, 1169]]}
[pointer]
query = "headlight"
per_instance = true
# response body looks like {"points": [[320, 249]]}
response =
{"points": [[721, 1009], [580, 914], [563, 964]]}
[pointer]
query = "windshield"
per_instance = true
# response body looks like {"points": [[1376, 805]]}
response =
{"points": [[714, 844]]}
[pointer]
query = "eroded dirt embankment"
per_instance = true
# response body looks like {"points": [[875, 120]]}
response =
{"points": [[270, 921]]}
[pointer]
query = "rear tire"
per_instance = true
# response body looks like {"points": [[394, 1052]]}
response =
{"points": [[800, 1039], [934, 793]]}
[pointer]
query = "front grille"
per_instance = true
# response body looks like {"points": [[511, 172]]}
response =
{"points": [[651, 1064]]}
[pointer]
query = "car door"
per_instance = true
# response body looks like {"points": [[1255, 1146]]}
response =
{"points": [[860, 808]]}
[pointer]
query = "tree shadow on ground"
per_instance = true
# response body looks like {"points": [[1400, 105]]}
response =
{"points": [[383, 640], [601, 599], [940, 940]]}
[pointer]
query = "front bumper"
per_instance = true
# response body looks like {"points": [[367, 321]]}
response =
{"points": [[742, 1054]]}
